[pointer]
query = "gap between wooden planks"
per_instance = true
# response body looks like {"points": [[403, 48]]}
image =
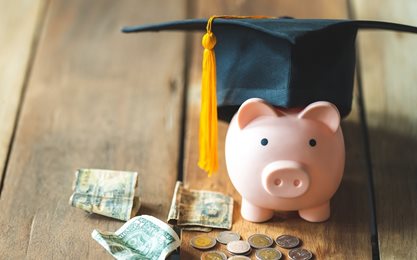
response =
{"points": [[96, 98], [346, 235]]}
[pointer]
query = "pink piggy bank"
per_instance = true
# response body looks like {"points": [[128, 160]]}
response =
{"points": [[285, 160]]}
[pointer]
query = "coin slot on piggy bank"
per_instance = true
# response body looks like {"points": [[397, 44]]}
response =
{"points": [[285, 160]]}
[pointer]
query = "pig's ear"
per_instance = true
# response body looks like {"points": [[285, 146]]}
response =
{"points": [[253, 108], [323, 112]]}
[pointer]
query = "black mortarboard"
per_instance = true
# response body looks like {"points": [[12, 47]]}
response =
{"points": [[287, 62]]}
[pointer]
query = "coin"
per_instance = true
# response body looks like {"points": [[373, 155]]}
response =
{"points": [[249, 252], [287, 241], [260, 241], [300, 254], [268, 254], [213, 255], [239, 247], [238, 257], [203, 242], [227, 236]]}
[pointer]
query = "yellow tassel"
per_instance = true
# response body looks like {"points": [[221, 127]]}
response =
{"points": [[208, 159]]}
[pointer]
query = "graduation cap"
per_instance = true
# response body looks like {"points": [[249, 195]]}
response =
{"points": [[287, 62]]}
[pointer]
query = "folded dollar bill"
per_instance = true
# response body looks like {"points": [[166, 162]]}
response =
{"points": [[200, 210], [142, 237], [105, 192]]}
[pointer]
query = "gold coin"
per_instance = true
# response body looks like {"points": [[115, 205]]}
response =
{"points": [[213, 255], [203, 242], [268, 254], [260, 241]]}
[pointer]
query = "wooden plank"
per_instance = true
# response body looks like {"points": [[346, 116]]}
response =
{"points": [[19, 24], [96, 98], [389, 63], [346, 235]]}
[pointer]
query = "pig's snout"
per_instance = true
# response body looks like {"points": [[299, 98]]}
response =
{"points": [[285, 179]]}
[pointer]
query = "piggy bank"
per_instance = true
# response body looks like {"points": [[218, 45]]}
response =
{"points": [[285, 160]]}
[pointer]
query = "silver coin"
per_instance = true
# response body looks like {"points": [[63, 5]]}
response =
{"points": [[202, 242], [213, 255], [239, 247], [227, 236], [287, 241], [300, 254], [259, 241], [238, 257], [268, 254]]}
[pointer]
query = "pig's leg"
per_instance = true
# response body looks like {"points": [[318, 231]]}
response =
{"points": [[254, 213], [316, 214]]}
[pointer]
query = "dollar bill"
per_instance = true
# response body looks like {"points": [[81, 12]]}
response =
{"points": [[105, 192], [142, 237], [200, 210]]}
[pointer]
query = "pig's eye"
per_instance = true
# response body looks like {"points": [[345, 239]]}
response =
{"points": [[312, 142], [264, 141]]}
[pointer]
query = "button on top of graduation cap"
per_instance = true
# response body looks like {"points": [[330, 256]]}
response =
{"points": [[287, 62]]}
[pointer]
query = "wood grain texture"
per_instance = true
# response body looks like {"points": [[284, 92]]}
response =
{"points": [[19, 25], [346, 235], [389, 66], [96, 98]]}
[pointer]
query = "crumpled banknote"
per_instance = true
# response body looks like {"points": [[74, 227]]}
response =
{"points": [[200, 210], [105, 192], [142, 237]]}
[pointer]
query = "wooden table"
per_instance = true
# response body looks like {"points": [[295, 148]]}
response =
{"points": [[76, 93]]}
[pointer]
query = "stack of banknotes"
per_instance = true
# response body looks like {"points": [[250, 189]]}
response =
{"points": [[200, 210], [109, 193], [115, 194]]}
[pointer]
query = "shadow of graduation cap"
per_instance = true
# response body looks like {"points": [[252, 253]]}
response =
{"points": [[287, 62]]}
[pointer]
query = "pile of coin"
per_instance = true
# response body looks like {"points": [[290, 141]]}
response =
{"points": [[240, 249]]}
